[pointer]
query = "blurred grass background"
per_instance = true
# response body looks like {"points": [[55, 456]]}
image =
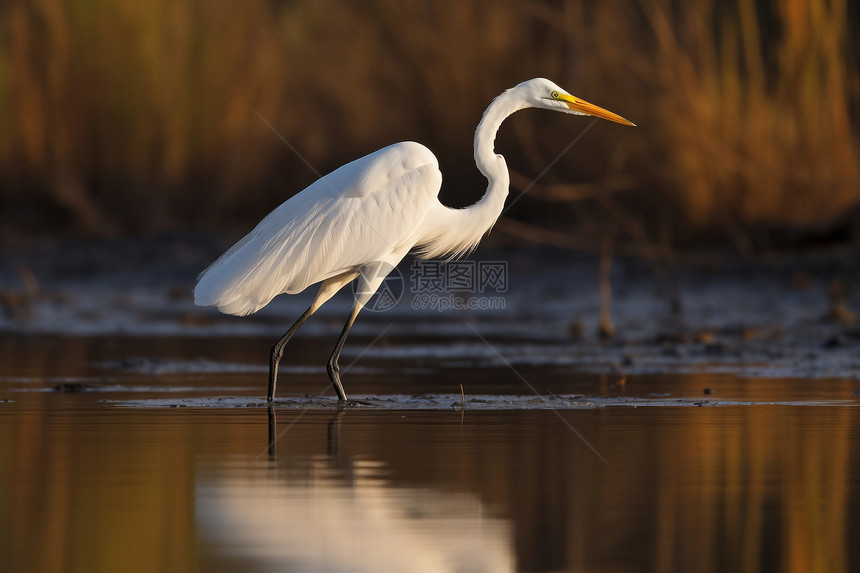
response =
{"points": [[119, 117]]}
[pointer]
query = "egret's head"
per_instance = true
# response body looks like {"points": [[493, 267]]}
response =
{"points": [[545, 94]]}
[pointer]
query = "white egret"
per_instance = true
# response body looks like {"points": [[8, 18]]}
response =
{"points": [[360, 220]]}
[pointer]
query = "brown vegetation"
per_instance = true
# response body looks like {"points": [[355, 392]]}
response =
{"points": [[122, 116]]}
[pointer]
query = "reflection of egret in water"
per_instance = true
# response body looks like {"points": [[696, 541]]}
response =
{"points": [[329, 515]]}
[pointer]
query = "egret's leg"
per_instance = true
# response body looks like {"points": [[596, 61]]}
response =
{"points": [[278, 350], [327, 290], [332, 367], [369, 279]]}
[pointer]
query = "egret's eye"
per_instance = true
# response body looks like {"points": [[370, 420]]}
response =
{"points": [[554, 95]]}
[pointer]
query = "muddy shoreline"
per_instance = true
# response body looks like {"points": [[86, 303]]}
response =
{"points": [[794, 318]]}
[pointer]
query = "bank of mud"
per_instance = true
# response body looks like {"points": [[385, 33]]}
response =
{"points": [[789, 318]]}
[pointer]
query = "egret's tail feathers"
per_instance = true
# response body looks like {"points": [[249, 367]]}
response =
{"points": [[219, 289], [264, 264], [240, 282], [236, 306]]}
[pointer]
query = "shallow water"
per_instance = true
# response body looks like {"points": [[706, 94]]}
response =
{"points": [[152, 454]]}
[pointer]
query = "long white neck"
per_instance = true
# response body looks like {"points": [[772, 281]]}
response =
{"points": [[491, 164], [464, 228]]}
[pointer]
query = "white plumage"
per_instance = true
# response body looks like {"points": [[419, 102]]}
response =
{"points": [[363, 218], [359, 213]]}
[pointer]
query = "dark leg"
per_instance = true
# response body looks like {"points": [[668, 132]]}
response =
{"points": [[332, 367], [278, 351]]}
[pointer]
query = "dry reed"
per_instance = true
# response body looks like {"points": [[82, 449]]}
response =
{"points": [[120, 116]]}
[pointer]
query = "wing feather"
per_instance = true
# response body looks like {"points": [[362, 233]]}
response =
{"points": [[359, 213]]}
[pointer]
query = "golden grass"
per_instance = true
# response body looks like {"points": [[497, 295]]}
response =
{"points": [[761, 141], [743, 107], [120, 115]]}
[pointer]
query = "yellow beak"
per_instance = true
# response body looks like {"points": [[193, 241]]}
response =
{"points": [[583, 106]]}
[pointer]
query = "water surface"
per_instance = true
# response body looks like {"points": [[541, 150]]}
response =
{"points": [[99, 473]]}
